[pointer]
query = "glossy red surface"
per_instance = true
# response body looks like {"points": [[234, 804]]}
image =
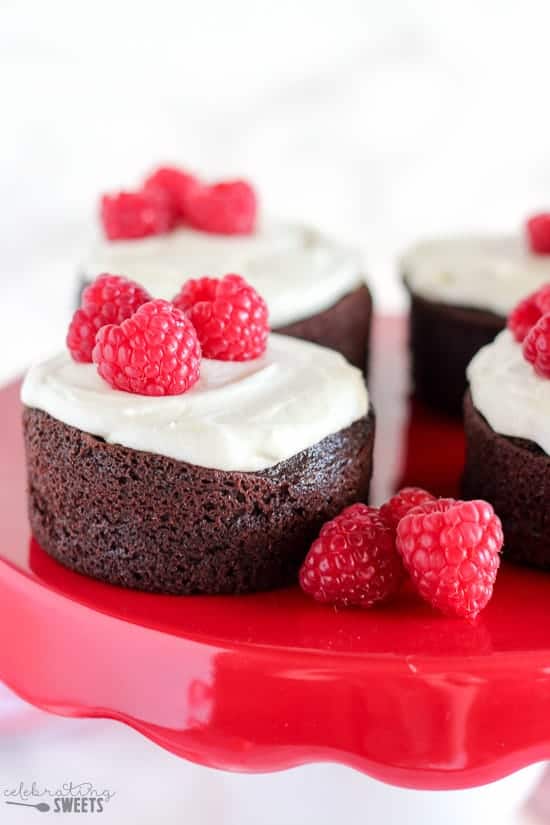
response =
{"points": [[266, 682]]}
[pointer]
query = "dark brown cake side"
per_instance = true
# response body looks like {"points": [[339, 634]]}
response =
{"points": [[514, 476], [344, 327], [149, 522], [443, 341]]}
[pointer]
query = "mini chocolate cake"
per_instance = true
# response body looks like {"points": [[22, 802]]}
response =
{"points": [[462, 290], [507, 428], [513, 474], [220, 489], [443, 341], [148, 522]]}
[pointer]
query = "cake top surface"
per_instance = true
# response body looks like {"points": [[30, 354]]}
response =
{"points": [[491, 272], [296, 269], [239, 416], [505, 389]]}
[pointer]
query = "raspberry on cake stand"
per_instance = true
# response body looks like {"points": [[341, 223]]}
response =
{"points": [[417, 702]]}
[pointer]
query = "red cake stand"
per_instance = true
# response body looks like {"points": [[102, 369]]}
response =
{"points": [[270, 681]]}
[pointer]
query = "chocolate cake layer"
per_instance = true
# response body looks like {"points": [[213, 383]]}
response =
{"points": [[514, 476], [344, 327], [148, 522], [443, 341]]}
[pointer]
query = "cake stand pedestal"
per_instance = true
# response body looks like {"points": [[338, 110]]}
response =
{"points": [[272, 681]]}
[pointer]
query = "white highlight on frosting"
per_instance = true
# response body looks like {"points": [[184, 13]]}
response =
{"points": [[505, 389], [490, 273], [243, 416], [297, 270]]}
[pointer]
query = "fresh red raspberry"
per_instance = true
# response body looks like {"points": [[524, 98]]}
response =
{"points": [[230, 317], [536, 347], [354, 561], [402, 502], [155, 352], [224, 208], [172, 186], [528, 312], [538, 233], [451, 550], [195, 290], [130, 215], [110, 299]]}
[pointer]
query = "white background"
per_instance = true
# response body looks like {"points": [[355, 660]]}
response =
{"points": [[380, 120]]}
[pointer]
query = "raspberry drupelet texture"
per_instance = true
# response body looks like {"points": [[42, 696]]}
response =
{"points": [[230, 317], [227, 208], [195, 290], [538, 233], [110, 299], [354, 561], [172, 187], [131, 215], [451, 551], [155, 352], [402, 502], [536, 347], [526, 314]]}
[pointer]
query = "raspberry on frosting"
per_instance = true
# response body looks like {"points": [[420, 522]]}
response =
{"points": [[354, 561], [526, 314], [230, 317], [536, 346], [538, 233], [227, 208], [155, 352], [170, 196], [172, 187], [132, 215], [451, 551], [110, 299]]}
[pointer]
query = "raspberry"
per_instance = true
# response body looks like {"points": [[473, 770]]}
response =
{"points": [[402, 502], [536, 347], [528, 312], [354, 561], [110, 299], [129, 215], [223, 208], [195, 290], [172, 187], [451, 550], [538, 233], [230, 317], [155, 352]]}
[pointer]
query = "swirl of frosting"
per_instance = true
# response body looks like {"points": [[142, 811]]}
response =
{"points": [[505, 389], [297, 270], [243, 416]]}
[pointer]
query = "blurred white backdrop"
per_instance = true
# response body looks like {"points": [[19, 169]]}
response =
{"points": [[379, 120]]}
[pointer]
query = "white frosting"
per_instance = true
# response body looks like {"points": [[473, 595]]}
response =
{"points": [[297, 270], [489, 273], [239, 416], [505, 389]]}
